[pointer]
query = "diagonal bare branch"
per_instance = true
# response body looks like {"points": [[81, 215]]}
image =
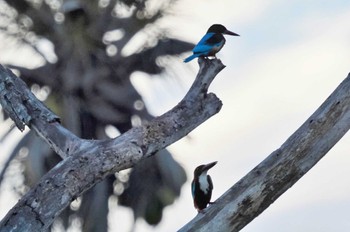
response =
{"points": [[92, 161], [282, 169]]}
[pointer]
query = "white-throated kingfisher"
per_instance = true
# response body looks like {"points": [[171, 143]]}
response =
{"points": [[202, 186], [211, 43]]}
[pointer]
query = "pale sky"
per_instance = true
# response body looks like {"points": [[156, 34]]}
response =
{"points": [[289, 58]]}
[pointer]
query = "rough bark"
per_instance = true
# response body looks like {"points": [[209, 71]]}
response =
{"points": [[279, 171], [88, 162]]}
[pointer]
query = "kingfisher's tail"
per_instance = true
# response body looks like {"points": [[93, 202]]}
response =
{"points": [[190, 58]]}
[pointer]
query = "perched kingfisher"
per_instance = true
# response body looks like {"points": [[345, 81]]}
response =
{"points": [[211, 43], [202, 186]]}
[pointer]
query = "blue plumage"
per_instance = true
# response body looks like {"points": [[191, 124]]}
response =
{"points": [[193, 189], [191, 58], [211, 43]]}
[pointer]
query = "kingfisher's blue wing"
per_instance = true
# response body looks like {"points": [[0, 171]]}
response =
{"points": [[204, 46], [192, 188], [211, 43]]}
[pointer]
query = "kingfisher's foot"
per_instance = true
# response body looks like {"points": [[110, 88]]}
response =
{"points": [[200, 210]]}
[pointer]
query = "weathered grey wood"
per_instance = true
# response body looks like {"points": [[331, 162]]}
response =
{"points": [[92, 161], [25, 109], [278, 172]]}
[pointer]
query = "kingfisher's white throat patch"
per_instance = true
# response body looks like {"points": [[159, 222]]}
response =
{"points": [[203, 182]]}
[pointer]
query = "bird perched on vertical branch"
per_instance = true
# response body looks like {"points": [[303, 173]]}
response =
{"points": [[202, 186], [211, 43]]}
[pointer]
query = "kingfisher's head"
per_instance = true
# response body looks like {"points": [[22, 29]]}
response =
{"points": [[218, 28], [203, 168]]}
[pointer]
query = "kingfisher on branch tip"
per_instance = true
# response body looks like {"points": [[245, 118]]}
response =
{"points": [[211, 43], [202, 186]]}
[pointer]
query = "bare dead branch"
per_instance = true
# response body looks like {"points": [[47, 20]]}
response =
{"points": [[92, 161], [284, 167], [25, 109]]}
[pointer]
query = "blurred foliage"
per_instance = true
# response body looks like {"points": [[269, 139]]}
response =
{"points": [[89, 55]]}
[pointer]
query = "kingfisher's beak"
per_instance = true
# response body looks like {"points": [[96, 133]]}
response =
{"points": [[209, 166], [227, 32]]}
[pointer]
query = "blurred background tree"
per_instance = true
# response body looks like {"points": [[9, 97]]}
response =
{"points": [[89, 52]]}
